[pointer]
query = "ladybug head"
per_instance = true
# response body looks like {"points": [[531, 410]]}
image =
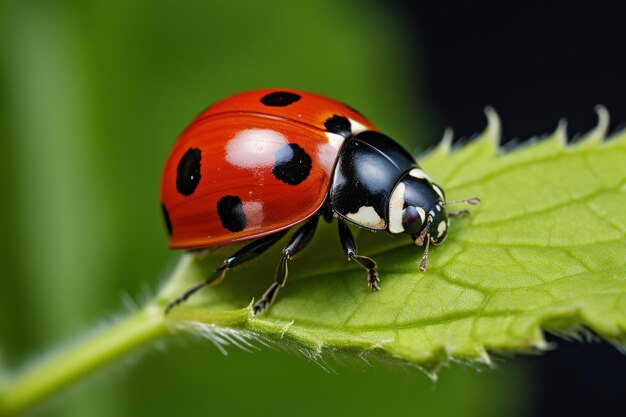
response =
{"points": [[417, 208]]}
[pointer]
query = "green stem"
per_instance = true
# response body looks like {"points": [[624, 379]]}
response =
{"points": [[51, 375]]}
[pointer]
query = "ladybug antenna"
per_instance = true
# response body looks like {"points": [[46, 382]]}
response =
{"points": [[461, 213], [419, 240], [473, 201], [424, 237]]}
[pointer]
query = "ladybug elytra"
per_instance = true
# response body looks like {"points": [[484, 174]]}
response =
{"points": [[259, 163]]}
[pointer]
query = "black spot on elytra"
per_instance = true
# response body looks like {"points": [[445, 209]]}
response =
{"points": [[230, 211], [292, 165], [166, 217], [339, 125], [280, 99], [188, 172]]}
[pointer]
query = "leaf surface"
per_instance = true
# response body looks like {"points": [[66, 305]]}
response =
{"points": [[544, 251]]}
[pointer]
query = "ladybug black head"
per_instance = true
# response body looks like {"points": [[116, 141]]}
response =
{"points": [[416, 207]]}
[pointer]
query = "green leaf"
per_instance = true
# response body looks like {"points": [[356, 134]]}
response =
{"points": [[544, 251]]}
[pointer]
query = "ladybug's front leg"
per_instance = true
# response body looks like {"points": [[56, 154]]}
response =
{"points": [[296, 244], [349, 248]]}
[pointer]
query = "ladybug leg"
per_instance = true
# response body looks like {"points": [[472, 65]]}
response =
{"points": [[296, 244], [245, 254], [350, 249], [252, 250]]}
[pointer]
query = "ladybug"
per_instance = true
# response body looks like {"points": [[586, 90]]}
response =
{"points": [[259, 163]]}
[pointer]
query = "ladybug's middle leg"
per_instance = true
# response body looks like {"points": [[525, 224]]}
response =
{"points": [[350, 249], [245, 254], [296, 244]]}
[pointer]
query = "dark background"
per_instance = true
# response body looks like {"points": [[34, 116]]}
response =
{"points": [[535, 64]]}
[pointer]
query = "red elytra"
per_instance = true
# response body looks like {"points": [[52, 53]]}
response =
{"points": [[251, 165]]}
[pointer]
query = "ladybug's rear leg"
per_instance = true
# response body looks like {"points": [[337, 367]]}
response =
{"points": [[296, 244], [245, 254], [350, 249]]}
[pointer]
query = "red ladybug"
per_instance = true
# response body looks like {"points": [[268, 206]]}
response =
{"points": [[258, 163]]}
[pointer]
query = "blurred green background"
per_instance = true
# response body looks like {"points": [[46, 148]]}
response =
{"points": [[92, 96]]}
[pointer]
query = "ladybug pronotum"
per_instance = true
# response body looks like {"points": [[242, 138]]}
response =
{"points": [[260, 163]]}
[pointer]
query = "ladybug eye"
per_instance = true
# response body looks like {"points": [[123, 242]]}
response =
{"points": [[411, 220]]}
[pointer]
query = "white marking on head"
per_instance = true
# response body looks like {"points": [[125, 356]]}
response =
{"points": [[254, 148], [438, 190], [419, 174], [367, 216], [422, 213], [441, 229], [395, 209], [356, 127]]}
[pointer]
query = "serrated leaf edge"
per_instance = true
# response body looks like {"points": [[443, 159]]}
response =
{"points": [[491, 136], [300, 341]]}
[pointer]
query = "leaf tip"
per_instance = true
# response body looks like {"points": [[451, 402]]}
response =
{"points": [[598, 133], [445, 145], [432, 374], [286, 328], [543, 345], [485, 359], [560, 134], [493, 132]]}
